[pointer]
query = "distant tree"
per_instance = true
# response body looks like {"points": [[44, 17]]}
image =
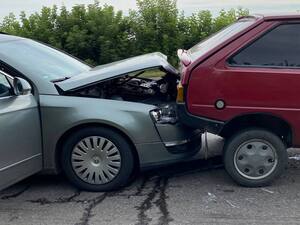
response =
{"points": [[100, 34], [10, 25], [195, 28], [226, 18], [155, 27]]}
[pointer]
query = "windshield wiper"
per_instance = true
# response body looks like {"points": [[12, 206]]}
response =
{"points": [[60, 79]]}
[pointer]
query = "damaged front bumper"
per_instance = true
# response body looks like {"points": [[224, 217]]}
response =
{"points": [[178, 143], [176, 137], [179, 138]]}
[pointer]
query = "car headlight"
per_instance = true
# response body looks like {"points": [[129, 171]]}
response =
{"points": [[164, 114], [156, 114]]}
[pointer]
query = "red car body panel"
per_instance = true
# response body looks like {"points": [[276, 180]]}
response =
{"points": [[245, 90]]}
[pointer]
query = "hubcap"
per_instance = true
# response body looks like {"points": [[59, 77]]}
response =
{"points": [[96, 160], [255, 159]]}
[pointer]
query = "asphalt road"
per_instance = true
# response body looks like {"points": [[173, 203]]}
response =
{"points": [[197, 192]]}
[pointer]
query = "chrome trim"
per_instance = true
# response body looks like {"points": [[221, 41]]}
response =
{"points": [[6, 75], [182, 142], [7, 97], [174, 143], [20, 162]]}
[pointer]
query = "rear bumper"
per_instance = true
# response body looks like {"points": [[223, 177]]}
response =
{"points": [[205, 124]]}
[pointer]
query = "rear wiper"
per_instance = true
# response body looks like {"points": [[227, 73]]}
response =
{"points": [[60, 79]]}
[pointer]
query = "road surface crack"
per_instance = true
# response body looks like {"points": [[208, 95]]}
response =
{"points": [[45, 201], [71, 198], [159, 187], [17, 194], [87, 214], [161, 203], [141, 188]]}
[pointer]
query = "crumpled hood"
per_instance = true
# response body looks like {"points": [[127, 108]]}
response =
{"points": [[116, 69]]}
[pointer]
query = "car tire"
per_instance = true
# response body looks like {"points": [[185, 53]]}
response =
{"points": [[255, 157], [105, 154]]}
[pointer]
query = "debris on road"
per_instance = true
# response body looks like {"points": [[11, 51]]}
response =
{"points": [[231, 204], [267, 190]]}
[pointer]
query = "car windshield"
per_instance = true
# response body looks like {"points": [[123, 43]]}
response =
{"points": [[211, 42], [34, 59]]}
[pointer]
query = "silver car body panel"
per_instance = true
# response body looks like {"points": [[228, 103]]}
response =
{"points": [[116, 69], [33, 128], [21, 147], [62, 114]]}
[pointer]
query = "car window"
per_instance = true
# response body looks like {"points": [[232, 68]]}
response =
{"points": [[35, 59], [280, 47], [5, 88], [211, 42]]}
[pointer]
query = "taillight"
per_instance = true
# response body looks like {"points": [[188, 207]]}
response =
{"points": [[184, 57], [180, 93]]}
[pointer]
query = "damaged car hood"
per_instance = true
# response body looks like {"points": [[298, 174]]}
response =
{"points": [[116, 69]]}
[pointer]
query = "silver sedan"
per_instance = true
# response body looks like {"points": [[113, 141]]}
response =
{"points": [[98, 125]]}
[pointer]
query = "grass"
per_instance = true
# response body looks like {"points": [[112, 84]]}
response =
{"points": [[154, 73]]}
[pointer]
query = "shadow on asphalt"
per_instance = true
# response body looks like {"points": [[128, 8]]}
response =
{"points": [[188, 167], [173, 170]]}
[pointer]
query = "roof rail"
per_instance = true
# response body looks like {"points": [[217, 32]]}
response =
{"points": [[1, 32]]}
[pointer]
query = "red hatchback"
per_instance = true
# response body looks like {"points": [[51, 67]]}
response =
{"points": [[243, 84]]}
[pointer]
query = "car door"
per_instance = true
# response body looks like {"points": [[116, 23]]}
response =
{"points": [[257, 73], [265, 73], [20, 134]]}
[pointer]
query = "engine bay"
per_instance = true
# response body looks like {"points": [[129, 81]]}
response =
{"points": [[135, 87]]}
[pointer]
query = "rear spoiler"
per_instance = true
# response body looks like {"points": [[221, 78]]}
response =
{"points": [[255, 16]]}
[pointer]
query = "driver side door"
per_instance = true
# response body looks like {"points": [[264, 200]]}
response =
{"points": [[20, 134]]}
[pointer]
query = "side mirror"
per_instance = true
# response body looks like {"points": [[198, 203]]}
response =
{"points": [[21, 86]]}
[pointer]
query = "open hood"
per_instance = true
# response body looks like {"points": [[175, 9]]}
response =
{"points": [[116, 69]]}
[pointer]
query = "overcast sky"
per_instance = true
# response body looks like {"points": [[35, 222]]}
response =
{"points": [[188, 6]]}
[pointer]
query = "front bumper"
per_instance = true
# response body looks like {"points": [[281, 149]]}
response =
{"points": [[178, 138], [190, 145], [178, 143]]}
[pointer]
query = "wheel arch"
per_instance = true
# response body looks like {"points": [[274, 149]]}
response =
{"points": [[270, 122], [70, 131]]}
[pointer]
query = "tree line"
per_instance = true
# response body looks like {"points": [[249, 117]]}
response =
{"points": [[99, 34]]}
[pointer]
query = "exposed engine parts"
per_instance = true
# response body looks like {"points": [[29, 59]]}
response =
{"points": [[156, 90]]}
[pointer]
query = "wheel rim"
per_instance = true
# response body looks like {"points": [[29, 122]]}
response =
{"points": [[255, 159], [96, 160]]}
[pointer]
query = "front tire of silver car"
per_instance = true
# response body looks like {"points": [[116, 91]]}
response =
{"points": [[97, 159], [255, 157]]}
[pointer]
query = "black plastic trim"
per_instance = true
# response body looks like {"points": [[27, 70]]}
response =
{"points": [[192, 145], [212, 126]]}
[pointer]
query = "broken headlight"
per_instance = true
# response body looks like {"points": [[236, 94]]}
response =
{"points": [[164, 114]]}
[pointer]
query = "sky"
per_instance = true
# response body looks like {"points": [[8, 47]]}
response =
{"points": [[188, 6]]}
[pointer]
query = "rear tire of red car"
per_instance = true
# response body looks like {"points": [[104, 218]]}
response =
{"points": [[255, 157], [97, 159]]}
